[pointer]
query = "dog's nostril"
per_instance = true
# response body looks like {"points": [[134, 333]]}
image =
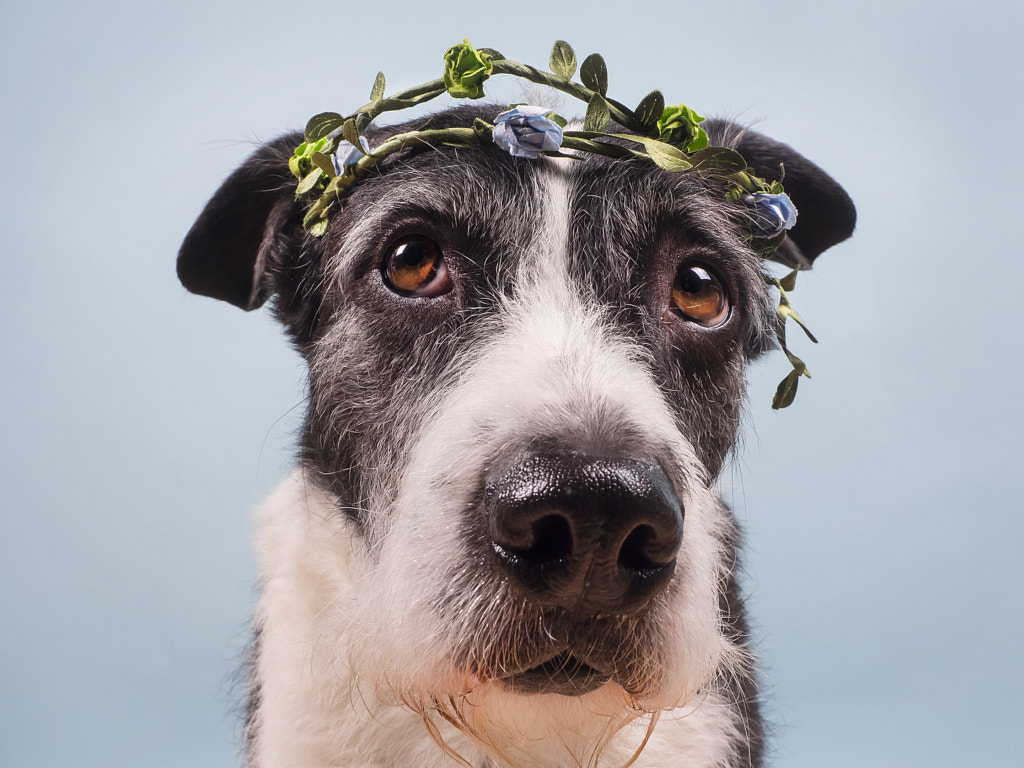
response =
{"points": [[643, 550], [540, 541], [552, 541]]}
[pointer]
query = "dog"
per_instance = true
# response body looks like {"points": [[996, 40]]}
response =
{"points": [[503, 544]]}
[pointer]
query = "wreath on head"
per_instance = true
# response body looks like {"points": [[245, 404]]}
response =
{"points": [[335, 153]]}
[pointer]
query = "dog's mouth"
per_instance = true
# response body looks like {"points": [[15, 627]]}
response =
{"points": [[563, 674]]}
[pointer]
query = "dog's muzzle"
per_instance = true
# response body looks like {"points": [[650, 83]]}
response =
{"points": [[588, 538]]}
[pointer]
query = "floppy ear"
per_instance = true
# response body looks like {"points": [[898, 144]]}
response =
{"points": [[244, 230], [825, 213]]}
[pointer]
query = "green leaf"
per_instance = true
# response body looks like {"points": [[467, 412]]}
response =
{"points": [[495, 56], [322, 124], [308, 182], [665, 155], [339, 186], [788, 283], [719, 158], [668, 157], [349, 132], [786, 391], [318, 228], [323, 162], [598, 114], [563, 60], [377, 92], [315, 220], [556, 118], [311, 216], [650, 109], [594, 73], [787, 311]]}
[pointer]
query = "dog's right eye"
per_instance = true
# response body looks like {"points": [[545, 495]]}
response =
{"points": [[415, 266], [699, 296]]}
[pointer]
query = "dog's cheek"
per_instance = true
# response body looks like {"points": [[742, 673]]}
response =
{"points": [[375, 395], [373, 382], [707, 401]]}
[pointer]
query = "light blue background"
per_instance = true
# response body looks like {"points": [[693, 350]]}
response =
{"points": [[141, 424]]}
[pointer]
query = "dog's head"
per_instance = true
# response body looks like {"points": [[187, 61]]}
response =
{"points": [[524, 379]]}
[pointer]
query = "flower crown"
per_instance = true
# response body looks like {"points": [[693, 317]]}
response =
{"points": [[335, 154]]}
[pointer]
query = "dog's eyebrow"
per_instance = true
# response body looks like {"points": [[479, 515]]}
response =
{"points": [[450, 196], [371, 220], [411, 195], [643, 207]]}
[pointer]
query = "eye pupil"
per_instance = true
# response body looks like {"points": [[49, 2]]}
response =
{"points": [[690, 281], [698, 295], [415, 267], [415, 254]]}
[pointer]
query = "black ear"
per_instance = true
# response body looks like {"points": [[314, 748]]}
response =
{"points": [[825, 213], [242, 231]]}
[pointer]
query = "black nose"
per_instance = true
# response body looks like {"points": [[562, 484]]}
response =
{"points": [[589, 534]]}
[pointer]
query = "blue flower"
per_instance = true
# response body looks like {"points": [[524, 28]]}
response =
{"points": [[348, 154], [770, 215], [525, 132]]}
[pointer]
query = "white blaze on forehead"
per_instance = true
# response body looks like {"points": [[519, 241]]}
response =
{"points": [[544, 270], [567, 368]]}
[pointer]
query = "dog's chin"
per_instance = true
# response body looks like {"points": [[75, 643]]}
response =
{"points": [[564, 675]]}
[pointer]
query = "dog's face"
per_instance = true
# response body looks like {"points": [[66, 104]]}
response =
{"points": [[524, 379]]}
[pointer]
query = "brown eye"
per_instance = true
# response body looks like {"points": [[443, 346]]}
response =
{"points": [[698, 295], [415, 267]]}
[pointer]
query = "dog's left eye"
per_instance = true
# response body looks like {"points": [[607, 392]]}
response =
{"points": [[415, 266]]}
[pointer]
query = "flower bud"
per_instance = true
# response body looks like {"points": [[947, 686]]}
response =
{"points": [[679, 125], [465, 69]]}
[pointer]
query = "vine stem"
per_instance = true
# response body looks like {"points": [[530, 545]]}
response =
{"points": [[622, 115], [461, 136], [421, 94]]}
